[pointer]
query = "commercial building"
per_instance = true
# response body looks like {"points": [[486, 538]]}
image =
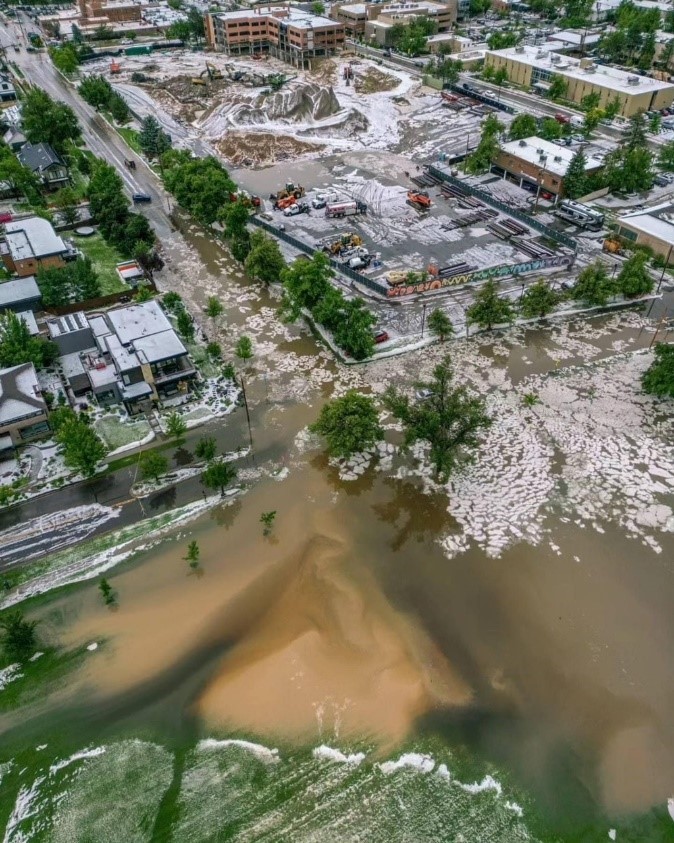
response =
{"points": [[535, 162], [534, 67], [352, 16], [23, 411], [130, 355], [653, 228], [284, 31], [32, 244], [381, 18]]}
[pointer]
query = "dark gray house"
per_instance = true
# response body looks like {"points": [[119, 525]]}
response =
{"points": [[20, 294], [49, 167]]}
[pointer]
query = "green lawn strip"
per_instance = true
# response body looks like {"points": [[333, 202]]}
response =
{"points": [[131, 137], [40, 677], [104, 258]]}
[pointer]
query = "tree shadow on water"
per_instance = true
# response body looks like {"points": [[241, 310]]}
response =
{"points": [[225, 514], [412, 514]]}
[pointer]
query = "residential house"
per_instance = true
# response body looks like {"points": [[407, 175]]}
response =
{"points": [[47, 165], [7, 89], [14, 138], [20, 294], [31, 244], [23, 411], [130, 355]]}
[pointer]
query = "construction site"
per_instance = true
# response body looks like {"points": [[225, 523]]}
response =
{"points": [[353, 142]]}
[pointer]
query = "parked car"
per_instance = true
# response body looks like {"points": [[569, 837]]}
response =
{"points": [[661, 181], [381, 336], [297, 208], [5, 216], [141, 197]]}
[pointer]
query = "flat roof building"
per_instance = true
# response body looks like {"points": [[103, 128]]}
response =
{"points": [[31, 244], [352, 16], [20, 294], [653, 228], [284, 31], [535, 161], [23, 411], [534, 67]]}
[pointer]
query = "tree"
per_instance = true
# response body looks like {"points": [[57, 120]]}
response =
{"points": [[137, 229], [354, 334], [449, 419], [185, 325], [143, 293], [489, 308], [523, 126], [440, 324], [214, 350], [152, 139], [200, 185], [318, 8], [304, 284], [74, 282], [488, 147], [267, 520], [65, 58], [549, 129], [19, 640], [655, 124], [107, 592], [658, 379], [195, 19], [666, 156], [502, 40], [635, 134], [613, 107], [17, 345], [19, 179], [46, 121], [500, 76], [575, 180], [213, 307], [590, 101], [176, 425], [538, 300], [330, 309], [119, 109], [206, 448], [265, 262], [558, 86], [82, 448], [594, 287], [149, 260], [180, 30], [634, 279], [68, 205], [173, 301], [218, 475], [244, 348], [193, 554], [153, 464], [96, 90], [349, 424], [235, 216]]}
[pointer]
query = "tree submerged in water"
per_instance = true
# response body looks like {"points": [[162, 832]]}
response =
{"points": [[107, 592], [193, 554], [19, 640], [267, 520]]}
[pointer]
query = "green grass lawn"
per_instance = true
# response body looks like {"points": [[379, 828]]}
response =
{"points": [[104, 258], [130, 136]]}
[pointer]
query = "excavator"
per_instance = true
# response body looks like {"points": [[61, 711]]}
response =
{"points": [[211, 71], [346, 241], [419, 199]]}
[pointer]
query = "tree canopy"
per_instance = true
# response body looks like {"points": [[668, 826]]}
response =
{"points": [[19, 640], [76, 281], [449, 418], [658, 379], [489, 308], [17, 345], [218, 475], [523, 126], [350, 424], [264, 262], [634, 279], [200, 185], [594, 287], [82, 448], [538, 300], [152, 139], [440, 324], [46, 121], [488, 147]]}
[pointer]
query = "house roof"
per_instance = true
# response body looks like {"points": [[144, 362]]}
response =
{"points": [[19, 394], [29, 321], [657, 221], [33, 237], [159, 347], [547, 155], [70, 323], [138, 320], [18, 291], [38, 157]]}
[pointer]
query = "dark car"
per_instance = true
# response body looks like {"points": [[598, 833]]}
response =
{"points": [[141, 197], [381, 336]]}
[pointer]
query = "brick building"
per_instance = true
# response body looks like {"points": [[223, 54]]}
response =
{"points": [[32, 244], [286, 32]]}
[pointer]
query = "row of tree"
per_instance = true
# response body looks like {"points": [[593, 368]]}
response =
{"points": [[110, 208], [98, 92], [447, 417], [411, 38]]}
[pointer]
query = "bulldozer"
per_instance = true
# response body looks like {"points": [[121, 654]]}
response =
{"points": [[345, 242], [419, 199], [613, 246], [294, 191]]}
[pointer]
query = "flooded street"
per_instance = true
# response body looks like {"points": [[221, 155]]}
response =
{"points": [[493, 654]]}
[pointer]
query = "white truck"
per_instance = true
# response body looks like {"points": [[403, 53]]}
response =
{"points": [[345, 209]]}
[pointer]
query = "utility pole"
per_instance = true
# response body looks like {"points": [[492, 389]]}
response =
{"points": [[245, 404], [664, 268], [423, 320]]}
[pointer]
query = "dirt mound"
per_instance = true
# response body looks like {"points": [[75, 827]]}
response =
{"points": [[262, 148], [372, 81], [292, 104]]}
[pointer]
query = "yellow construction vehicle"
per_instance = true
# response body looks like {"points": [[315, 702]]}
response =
{"points": [[211, 71], [197, 80]]}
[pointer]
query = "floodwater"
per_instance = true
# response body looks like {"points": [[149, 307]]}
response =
{"points": [[548, 663]]}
